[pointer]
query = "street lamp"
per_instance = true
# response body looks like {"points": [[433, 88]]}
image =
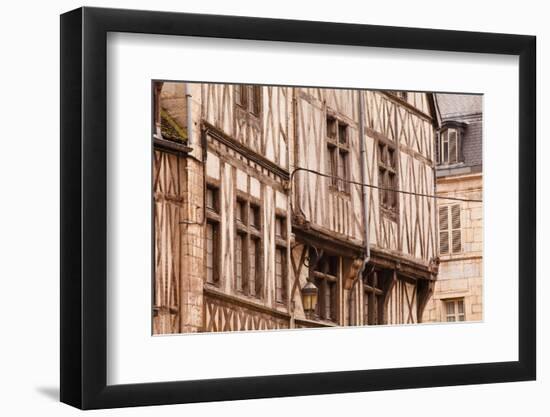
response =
{"points": [[309, 297]]}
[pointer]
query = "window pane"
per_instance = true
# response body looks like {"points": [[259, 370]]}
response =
{"points": [[211, 252], [450, 307], [332, 265], [382, 184], [453, 148], [366, 309], [240, 211], [331, 128], [343, 171], [444, 148], [253, 266], [342, 133], [391, 158], [241, 95], [280, 276], [382, 153], [280, 227], [333, 301], [327, 301], [331, 163], [211, 198], [255, 216], [392, 199], [256, 107], [239, 261]]}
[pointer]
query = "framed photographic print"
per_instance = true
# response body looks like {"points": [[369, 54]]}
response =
{"points": [[257, 208]]}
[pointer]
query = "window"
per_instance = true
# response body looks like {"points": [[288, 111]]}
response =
{"points": [[212, 199], [253, 266], [248, 248], [280, 259], [280, 227], [373, 299], [240, 211], [387, 179], [249, 97], [240, 244], [450, 232], [255, 216], [338, 154], [454, 310], [212, 235], [449, 152], [325, 278]]}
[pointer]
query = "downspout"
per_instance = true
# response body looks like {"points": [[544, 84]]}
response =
{"points": [[291, 143], [189, 110], [364, 194]]}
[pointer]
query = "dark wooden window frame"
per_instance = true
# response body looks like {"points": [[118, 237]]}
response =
{"points": [[326, 280], [84, 224], [253, 235], [213, 219], [249, 98], [374, 298], [338, 150], [388, 195], [281, 245]]}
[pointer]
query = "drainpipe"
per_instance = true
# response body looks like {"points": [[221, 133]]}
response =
{"points": [[364, 194], [189, 104]]}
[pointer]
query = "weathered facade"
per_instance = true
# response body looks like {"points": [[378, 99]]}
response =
{"points": [[258, 192], [458, 291]]}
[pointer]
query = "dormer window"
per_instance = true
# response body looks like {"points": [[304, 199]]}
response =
{"points": [[449, 146]]}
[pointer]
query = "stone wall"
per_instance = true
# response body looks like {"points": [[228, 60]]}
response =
{"points": [[461, 274]]}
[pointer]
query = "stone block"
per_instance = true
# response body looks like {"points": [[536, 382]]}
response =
{"points": [[477, 308], [476, 213]]}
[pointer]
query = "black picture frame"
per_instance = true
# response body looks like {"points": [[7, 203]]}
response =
{"points": [[84, 207]]}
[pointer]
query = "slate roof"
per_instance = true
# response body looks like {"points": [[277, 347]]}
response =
{"points": [[457, 106]]}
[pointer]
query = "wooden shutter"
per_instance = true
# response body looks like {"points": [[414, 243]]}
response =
{"points": [[456, 228], [443, 230]]}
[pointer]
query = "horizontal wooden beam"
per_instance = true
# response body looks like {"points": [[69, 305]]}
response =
{"points": [[238, 301], [228, 141]]}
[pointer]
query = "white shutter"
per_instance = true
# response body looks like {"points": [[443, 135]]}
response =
{"points": [[443, 230], [456, 228]]}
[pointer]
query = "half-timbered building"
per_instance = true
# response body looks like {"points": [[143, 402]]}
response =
{"points": [[265, 194]]}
